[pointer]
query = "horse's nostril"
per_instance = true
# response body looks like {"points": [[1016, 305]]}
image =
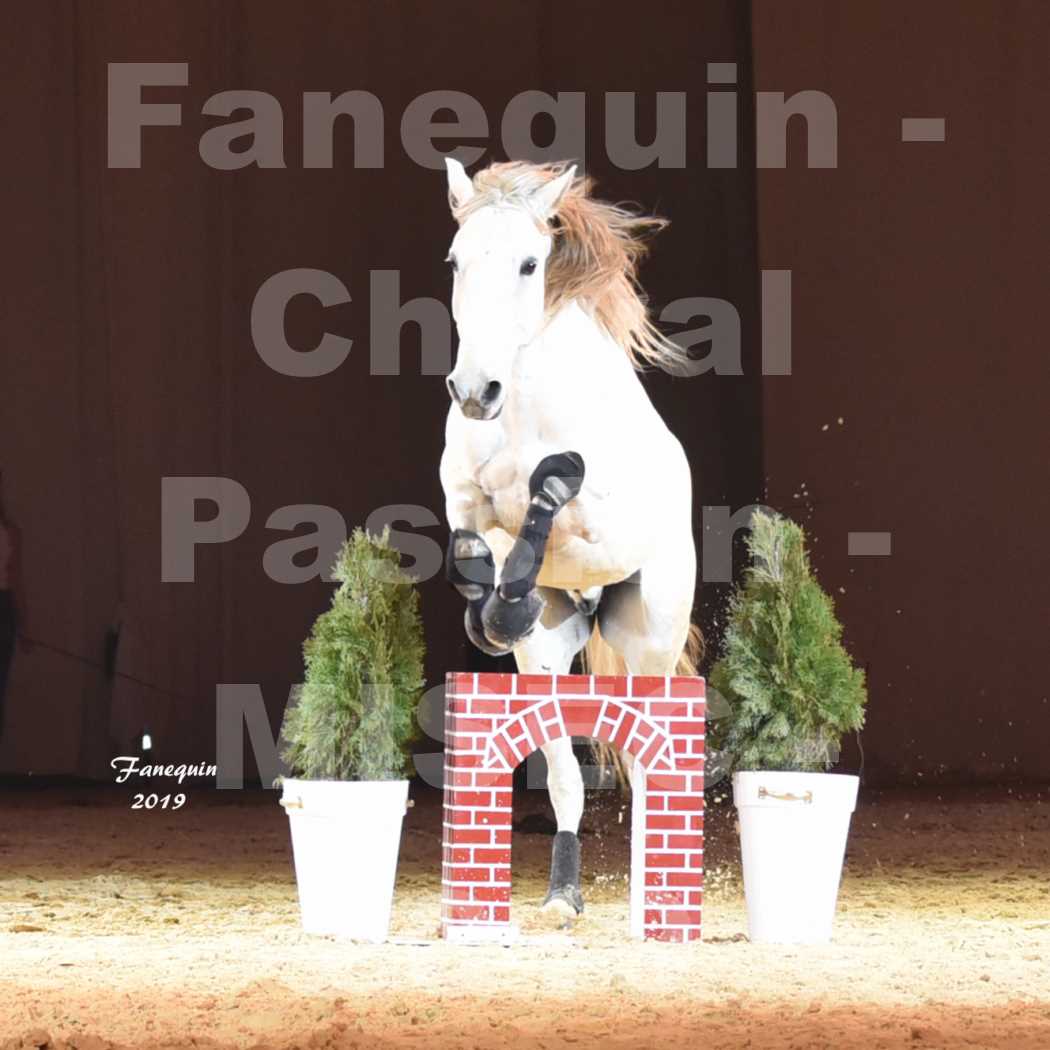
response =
{"points": [[492, 391], [452, 391]]}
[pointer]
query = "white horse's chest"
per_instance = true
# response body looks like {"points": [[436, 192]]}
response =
{"points": [[539, 419], [575, 393], [504, 462]]}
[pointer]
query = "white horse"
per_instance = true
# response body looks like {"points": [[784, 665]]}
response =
{"points": [[569, 500]]}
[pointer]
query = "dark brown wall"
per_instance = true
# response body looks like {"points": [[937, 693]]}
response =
{"points": [[920, 319], [127, 352]]}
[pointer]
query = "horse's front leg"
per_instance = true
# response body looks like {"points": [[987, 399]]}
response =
{"points": [[502, 613], [516, 605], [469, 564]]}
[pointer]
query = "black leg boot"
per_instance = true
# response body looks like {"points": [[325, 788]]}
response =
{"points": [[513, 610], [553, 483], [564, 895], [499, 618]]}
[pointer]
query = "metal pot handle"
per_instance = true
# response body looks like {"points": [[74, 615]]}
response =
{"points": [[785, 796], [297, 803]]}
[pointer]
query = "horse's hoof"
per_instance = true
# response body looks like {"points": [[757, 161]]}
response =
{"points": [[557, 479], [560, 911], [565, 903], [476, 632], [507, 623], [469, 566]]}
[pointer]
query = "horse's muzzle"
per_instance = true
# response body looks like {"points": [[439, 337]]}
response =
{"points": [[483, 403], [474, 409]]}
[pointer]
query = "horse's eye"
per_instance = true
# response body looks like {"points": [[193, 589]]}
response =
{"points": [[528, 267], [451, 260]]}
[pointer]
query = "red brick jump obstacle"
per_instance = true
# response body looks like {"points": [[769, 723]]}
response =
{"points": [[495, 721]]}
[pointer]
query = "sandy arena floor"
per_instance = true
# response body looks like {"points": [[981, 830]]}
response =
{"points": [[123, 929]]}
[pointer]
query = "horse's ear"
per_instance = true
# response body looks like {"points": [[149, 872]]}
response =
{"points": [[460, 188], [546, 198]]}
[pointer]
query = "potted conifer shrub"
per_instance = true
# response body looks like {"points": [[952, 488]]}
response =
{"points": [[346, 740], [792, 691]]}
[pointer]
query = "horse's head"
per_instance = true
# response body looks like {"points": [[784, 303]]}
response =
{"points": [[498, 259]]}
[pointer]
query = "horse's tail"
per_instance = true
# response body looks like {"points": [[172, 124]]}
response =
{"points": [[693, 652], [599, 657]]}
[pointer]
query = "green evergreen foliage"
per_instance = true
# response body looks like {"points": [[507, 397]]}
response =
{"points": [[791, 687], [355, 716]]}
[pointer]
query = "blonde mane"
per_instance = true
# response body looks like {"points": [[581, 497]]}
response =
{"points": [[594, 258]]}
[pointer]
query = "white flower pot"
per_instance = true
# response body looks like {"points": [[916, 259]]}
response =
{"points": [[345, 840], [793, 829]]}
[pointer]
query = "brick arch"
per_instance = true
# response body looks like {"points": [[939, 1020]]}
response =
{"points": [[493, 722], [607, 719]]}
